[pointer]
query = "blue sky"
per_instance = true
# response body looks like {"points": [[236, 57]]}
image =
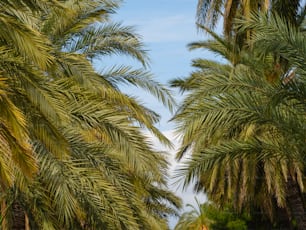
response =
{"points": [[166, 28]]}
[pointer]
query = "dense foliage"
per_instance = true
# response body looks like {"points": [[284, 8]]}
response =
{"points": [[73, 154], [243, 119], [209, 216]]}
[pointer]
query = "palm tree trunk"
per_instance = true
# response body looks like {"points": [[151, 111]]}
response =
{"points": [[283, 217], [296, 205], [27, 222], [19, 222]]}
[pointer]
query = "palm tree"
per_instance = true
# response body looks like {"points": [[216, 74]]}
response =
{"points": [[15, 147], [289, 45], [196, 218], [209, 12], [209, 216], [76, 126], [244, 133]]}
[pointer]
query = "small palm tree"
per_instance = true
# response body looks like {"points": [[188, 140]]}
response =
{"points": [[196, 218]]}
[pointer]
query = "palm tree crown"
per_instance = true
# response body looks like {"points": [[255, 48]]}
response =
{"points": [[69, 129], [244, 134]]}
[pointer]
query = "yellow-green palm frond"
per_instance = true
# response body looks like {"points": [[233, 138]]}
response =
{"points": [[73, 16], [16, 146], [289, 41], [236, 124], [100, 40], [80, 192], [141, 79], [24, 38]]}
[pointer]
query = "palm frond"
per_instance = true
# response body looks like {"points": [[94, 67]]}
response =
{"points": [[142, 79], [109, 39], [289, 42]]}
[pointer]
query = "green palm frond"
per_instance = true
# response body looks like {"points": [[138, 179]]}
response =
{"points": [[15, 139], [196, 218], [142, 79], [100, 40], [240, 132], [24, 38], [73, 16], [289, 42], [210, 11], [227, 48], [72, 127], [86, 188], [289, 11]]}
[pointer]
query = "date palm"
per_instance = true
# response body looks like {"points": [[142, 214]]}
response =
{"points": [[195, 219], [209, 216], [82, 132], [17, 45], [209, 12], [245, 133]]}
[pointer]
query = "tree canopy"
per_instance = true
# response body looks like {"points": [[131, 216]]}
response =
{"points": [[73, 153]]}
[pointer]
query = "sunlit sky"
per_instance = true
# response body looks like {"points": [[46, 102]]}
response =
{"points": [[166, 26]]}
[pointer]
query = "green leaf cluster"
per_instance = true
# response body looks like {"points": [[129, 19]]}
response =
{"points": [[210, 216], [242, 122], [73, 151]]}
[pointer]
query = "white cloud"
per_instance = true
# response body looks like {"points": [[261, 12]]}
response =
{"points": [[187, 195]]}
